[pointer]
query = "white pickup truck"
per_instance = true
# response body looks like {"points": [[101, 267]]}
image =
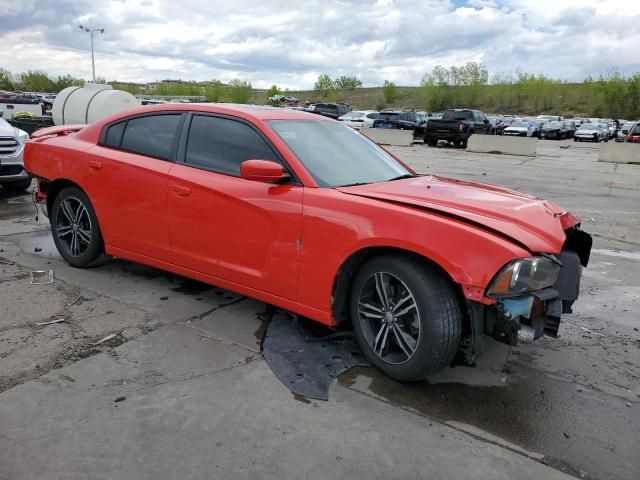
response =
{"points": [[13, 176]]}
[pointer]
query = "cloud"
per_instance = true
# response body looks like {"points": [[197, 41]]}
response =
{"points": [[289, 42]]}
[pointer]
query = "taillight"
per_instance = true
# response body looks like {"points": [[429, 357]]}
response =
{"points": [[461, 127]]}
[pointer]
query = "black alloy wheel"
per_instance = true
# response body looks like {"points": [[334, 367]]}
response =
{"points": [[75, 228], [406, 316]]}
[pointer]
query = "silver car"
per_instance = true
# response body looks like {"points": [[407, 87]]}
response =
{"points": [[591, 132], [12, 173]]}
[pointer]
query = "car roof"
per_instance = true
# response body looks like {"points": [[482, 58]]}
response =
{"points": [[256, 112]]}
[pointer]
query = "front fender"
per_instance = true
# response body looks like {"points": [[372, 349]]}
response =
{"points": [[337, 226]]}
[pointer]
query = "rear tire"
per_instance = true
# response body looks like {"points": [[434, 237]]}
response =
{"points": [[406, 317], [75, 228]]}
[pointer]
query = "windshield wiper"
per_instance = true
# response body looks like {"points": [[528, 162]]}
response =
{"points": [[353, 184], [400, 177]]}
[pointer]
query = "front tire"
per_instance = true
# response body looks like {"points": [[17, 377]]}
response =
{"points": [[75, 228], [406, 317]]}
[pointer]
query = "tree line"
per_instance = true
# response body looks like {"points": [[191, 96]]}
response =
{"points": [[611, 95], [235, 91]]}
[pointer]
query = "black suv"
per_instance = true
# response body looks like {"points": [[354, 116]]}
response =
{"points": [[397, 120], [332, 110]]}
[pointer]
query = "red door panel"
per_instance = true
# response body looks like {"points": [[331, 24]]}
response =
{"points": [[239, 230], [129, 194]]}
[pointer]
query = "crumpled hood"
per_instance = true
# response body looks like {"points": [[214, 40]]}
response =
{"points": [[6, 130], [535, 224]]}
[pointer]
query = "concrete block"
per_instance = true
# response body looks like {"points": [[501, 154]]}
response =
{"points": [[526, 146], [620, 152], [389, 136]]}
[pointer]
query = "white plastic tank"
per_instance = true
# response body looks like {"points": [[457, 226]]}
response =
{"points": [[82, 105]]}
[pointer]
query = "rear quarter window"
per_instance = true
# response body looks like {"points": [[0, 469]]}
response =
{"points": [[152, 135], [113, 136]]}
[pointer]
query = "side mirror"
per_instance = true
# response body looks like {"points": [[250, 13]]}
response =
{"points": [[485, 121], [262, 171]]}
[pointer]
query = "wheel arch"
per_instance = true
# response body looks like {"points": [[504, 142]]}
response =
{"points": [[343, 279], [54, 187]]}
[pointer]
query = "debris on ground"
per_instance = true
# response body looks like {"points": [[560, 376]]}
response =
{"points": [[57, 320], [105, 339], [39, 277]]}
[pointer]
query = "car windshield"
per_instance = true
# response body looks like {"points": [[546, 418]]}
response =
{"points": [[336, 155], [519, 124], [552, 125]]}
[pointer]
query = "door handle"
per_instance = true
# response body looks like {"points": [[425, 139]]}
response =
{"points": [[95, 165], [180, 190]]}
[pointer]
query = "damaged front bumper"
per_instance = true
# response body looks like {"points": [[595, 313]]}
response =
{"points": [[528, 317]]}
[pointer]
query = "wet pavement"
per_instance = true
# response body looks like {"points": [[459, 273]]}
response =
{"points": [[570, 402]]}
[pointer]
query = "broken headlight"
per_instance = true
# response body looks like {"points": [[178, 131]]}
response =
{"points": [[524, 276]]}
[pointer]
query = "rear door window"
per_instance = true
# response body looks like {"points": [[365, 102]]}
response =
{"points": [[152, 135], [222, 144]]}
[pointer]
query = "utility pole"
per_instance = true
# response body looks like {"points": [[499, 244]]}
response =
{"points": [[91, 31]]}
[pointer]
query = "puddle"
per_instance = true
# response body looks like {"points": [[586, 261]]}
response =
{"points": [[39, 243], [306, 356]]}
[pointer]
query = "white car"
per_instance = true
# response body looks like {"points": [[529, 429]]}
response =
{"points": [[359, 118], [519, 129], [12, 173]]}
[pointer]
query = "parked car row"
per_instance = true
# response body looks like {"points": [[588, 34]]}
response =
{"points": [[13, 103]]}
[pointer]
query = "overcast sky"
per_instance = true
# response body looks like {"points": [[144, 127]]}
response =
{"points": [[290, 42]]}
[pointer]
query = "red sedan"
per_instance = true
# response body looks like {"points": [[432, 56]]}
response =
{"points": [[305, 213]]}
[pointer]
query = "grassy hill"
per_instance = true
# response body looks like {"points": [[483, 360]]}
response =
{"points": [[613, 98], [565, 99]]}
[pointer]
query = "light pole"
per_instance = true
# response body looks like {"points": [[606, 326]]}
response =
{"points": [[91, 31]]}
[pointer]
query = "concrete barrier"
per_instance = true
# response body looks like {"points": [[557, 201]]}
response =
{"points": [[526, 146], [389, 136], [620, 152]]}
